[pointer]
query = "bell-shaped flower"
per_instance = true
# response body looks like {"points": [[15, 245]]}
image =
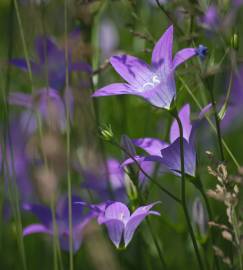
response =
{"points": [[154, 83], [46, 225], [121, 225], [168, 155]]}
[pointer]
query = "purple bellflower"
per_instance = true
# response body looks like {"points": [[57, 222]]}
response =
{"points": [[121, 225], [51, 63], [168, 155], [154, 83], [44, 215], [48, 103]]}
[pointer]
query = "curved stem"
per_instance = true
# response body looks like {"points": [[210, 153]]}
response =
{"points": [[69, 181], [183, 194]]}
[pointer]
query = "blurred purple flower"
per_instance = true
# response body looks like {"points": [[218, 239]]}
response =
{"points": [[199, 216], [155, 83], [108, 182], [120, 224], [48, 103], [51, 64], [109, 38], [232, 117], [237, 3], [211, 19], [44, 215], [15, 163], [168, 155]]}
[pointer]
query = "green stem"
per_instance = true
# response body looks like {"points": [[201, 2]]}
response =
{"points": [[162, 259], [217, 123], [183, 193], [69, 184]]}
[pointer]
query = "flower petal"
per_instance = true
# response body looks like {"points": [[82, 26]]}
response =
{"points": [[20, 99], [41, 212], [171, 157], [136, 218], [117, 211], [183, 55], [184, 116], [151, 145], [81, 66], [22, 64], [44, 47], [162, 52], [35, 228], [135, 71], [115, 230], [114, 89], [144, 209]]}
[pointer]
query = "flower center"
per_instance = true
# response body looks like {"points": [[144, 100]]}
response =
{"points": [[149, 85]]}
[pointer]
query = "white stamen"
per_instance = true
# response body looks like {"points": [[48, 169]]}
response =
{"points": [[151, 84]]}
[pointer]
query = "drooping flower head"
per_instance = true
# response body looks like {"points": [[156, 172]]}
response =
{"points": [[121, 225], [168, 155], [155, 83], [44, 215]]}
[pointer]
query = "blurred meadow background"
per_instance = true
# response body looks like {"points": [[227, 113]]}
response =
{"points": [[61, 146]]}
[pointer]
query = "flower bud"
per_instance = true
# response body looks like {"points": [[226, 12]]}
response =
{"points": [[235, 41], [106, 133]]}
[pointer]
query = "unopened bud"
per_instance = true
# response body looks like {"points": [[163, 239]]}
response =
{"points": [[235, 41], [106, 133]]}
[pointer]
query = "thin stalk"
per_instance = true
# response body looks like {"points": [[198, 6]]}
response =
{"points": [[170, 18], [217, 123], [183, 194], [68, 140], [13, 191], [160, 253]]}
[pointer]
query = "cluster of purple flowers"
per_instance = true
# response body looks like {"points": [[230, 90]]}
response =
{"points": [[155, 83]]}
